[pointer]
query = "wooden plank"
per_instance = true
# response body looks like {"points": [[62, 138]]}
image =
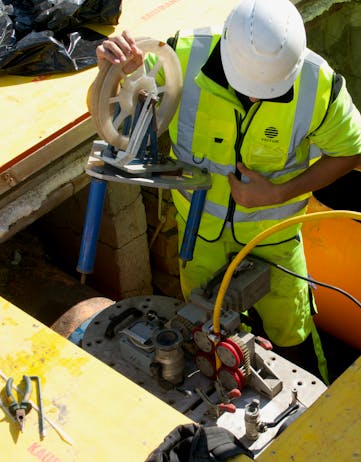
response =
{"points": [[43, 191], [40, 156]]}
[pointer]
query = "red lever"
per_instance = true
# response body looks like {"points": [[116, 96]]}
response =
{"points": [[227, 407], [264, 343], [234, 393]]}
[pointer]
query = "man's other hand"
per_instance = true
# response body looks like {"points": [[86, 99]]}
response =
{"points": [[256, 193]]}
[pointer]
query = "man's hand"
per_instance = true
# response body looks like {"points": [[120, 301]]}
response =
{"points": [[258, 192], [121, 49]]}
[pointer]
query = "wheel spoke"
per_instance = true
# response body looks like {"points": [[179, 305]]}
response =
{"points": [[155, 69], [113, 99], [137, 74], [119, 119], [162, 89]]}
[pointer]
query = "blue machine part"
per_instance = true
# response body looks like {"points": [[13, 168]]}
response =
{"points": [[192, 225], [148, 159], [77, 335], [92, 223]]}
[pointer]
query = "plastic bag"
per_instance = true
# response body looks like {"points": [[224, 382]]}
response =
{"points": [[46, 37], [7, 31], [40, 53], [69, 13]]}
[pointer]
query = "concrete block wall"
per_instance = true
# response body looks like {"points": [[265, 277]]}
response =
{"points": [[163, 241], [122, 266]]}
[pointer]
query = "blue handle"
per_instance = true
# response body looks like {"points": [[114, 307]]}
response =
{"points": [[91, 228], [192, 225]]}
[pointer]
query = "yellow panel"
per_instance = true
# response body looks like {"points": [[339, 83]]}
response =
{"points": [[36, 108], [101, 415], [329, 430]]}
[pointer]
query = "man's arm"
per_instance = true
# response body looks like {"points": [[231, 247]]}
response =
{"points": [[261, 192]]}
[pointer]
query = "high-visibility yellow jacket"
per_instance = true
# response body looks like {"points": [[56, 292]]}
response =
{"points": [[212, 129]]}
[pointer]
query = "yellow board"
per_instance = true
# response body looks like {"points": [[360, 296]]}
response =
{"points": [[98, 414], [40, 108], [329, 430]]}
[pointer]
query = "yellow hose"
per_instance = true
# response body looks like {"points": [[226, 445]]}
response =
{"points": [[260, 237]]}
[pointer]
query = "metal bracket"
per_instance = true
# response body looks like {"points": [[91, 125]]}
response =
{"points": [[141, 162], [172, 174]]}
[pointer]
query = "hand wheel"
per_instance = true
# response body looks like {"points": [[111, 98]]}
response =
{"points": [[113, 96]]}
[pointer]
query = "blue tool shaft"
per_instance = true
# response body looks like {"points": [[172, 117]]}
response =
{"points": [[192, 225], [91, 228]]}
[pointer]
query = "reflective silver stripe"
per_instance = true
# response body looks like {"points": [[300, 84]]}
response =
{"points": [[215, 209], [271, 213], [277, 213], [190, 95], [314, 152], [224, 170], [210, 207], [315, 58], [212, 167], [305, 103]]}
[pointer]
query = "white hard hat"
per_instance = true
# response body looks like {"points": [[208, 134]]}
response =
{"points": [[262, 47]]}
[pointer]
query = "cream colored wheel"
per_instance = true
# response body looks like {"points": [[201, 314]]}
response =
{"points": [[113, 95]]}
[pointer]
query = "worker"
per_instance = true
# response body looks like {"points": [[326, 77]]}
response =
{"points": [[272, 122]]}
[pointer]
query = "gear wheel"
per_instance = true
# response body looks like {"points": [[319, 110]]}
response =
{"points": [[229, 354], [202, 341], [184, 326], [232, 378], [206, 363], [236, 340]]}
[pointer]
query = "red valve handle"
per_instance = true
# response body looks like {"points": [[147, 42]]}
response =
{"points": [[227, 407], [264, 343], [234, 393]]}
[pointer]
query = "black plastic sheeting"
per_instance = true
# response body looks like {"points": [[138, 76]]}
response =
{"points": [[47, 37]]}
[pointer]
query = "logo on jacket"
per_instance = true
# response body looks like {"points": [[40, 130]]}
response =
{"points": [[271, 135], [271, 132]]}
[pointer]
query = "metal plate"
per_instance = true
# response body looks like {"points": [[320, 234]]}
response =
{"points": [[107, 350], [185, 398]]}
